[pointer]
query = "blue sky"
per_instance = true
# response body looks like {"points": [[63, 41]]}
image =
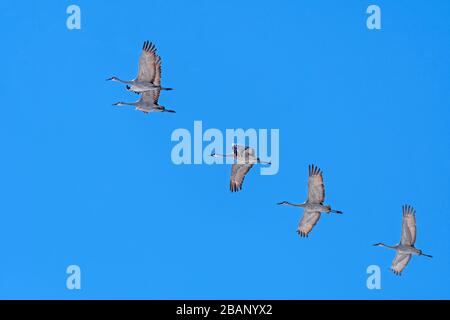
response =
{"points": [[85, 183]]}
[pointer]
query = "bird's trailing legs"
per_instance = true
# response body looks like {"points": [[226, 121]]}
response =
{"points": [[264, 162], [163, 109], [425, 255], [334, 211]]}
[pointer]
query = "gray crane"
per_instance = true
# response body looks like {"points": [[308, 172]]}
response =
{"points": [[147, 103], [245, 159], [313, 207], [149, 72], [405, 249]]}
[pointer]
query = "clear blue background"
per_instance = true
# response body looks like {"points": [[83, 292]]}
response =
{"points": [[83, 182]]}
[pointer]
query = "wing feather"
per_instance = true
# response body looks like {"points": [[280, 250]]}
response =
{"points": [[147, 63], [400, 262], [408, 226], [238, 173], [316, 189], [307, 223], [157, 80], [156, 94], [148, 97]]}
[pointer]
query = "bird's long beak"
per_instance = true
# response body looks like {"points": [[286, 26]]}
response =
{"points": [[217, 155], [426, 255], [109, 79], [280, 203]]}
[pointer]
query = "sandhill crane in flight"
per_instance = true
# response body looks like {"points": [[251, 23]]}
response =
{"points": [[147, 103], [314, 204], [149, 72], [405, 249], [245, 159]]}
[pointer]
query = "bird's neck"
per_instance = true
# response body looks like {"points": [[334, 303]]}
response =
{"points": [[300, 205], [218, 155], [388, 246], [123, 81], [128, 104]]}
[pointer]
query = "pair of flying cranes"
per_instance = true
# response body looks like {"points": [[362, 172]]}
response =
{"points": [[148, 85]]}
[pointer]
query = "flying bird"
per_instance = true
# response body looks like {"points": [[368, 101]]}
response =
{"points": [[149, 72], [147, 103], [405, 249], [313, 206], [245, 159]]}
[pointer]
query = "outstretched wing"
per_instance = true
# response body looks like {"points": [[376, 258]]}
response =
{"points": [[155, 95], [316, 189], [143, 109], [145, 102], [408, 226], [400, 262], [157, 80], [148, 97], [238, 172], [147, 63], [309, 220]]}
